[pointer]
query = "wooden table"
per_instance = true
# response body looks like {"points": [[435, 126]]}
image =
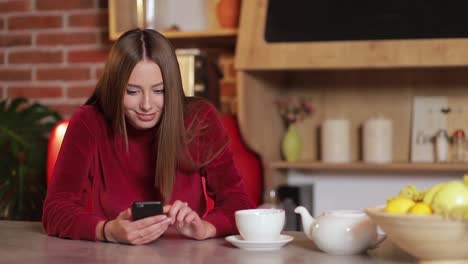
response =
{"points": [[25, 242]]}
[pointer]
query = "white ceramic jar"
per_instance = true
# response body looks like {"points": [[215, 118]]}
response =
{"points": [[336, 137], [377, 140]]}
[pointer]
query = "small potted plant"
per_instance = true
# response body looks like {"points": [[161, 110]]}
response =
{"points": [[24, 129], [293, 110]]}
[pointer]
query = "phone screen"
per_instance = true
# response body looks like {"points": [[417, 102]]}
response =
{"points": [[145, 209]]}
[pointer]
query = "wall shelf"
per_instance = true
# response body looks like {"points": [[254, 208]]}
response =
{"points": [[217, 33], [218, 39], [360, 166], [209, 34]]}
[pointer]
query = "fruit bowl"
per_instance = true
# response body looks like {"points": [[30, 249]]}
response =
{"points": [[426, 237]]}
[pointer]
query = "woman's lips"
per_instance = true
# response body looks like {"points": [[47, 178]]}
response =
{"points": [[146, 117]]}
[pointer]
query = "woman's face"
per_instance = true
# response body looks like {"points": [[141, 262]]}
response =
{"points": [[143, 101]]}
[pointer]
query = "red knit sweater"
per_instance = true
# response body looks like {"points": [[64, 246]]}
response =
{"points": [[91, 160]]}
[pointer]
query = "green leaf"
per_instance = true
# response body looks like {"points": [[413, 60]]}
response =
{"points": [[24, 128], [15, 103]]}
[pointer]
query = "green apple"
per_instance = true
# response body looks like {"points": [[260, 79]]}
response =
{"points": [[450, 195], [431, 192], [459, 213]]}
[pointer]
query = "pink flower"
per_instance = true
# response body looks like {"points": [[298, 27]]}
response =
{"points": [[294, 109]]}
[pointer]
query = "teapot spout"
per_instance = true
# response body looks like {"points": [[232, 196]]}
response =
{"points": [[307, 220]]}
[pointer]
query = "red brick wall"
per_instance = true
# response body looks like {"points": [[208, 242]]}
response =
{"points": [[53, 51]]}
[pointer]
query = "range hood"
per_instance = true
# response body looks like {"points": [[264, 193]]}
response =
{"points": [[255, 53]]}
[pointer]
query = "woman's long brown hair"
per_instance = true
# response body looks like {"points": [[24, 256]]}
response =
{"points": [[132, 47]]}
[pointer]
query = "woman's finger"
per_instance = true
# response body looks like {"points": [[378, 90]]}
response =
{"points": [[149, 230], [183, 212], [155, 234], [148, 221], [166, 208], [125, 214], [191, 217], [175, 208], [151, 233]]}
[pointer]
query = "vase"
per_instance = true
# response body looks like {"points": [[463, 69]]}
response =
{"points": [[228, 13], [292, 144]]}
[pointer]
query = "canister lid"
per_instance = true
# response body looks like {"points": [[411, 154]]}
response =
{"points": [[459, 133]]}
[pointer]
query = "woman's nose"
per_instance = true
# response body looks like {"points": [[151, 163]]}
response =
{"points": [[146, 103]]}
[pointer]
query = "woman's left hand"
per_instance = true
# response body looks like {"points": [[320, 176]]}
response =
{"points": [[188, 222]]}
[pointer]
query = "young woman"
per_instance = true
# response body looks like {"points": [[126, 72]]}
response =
{"points": [[138, 138]]}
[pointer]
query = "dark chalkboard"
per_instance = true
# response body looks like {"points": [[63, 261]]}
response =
{"points": [[329, 20]]}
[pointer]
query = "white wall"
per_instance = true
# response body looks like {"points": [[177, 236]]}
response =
{"points": [[360, 190]]}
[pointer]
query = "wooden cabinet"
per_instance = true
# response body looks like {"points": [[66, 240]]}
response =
{"points": [[355, 80], [254, 53], [198, 29]]}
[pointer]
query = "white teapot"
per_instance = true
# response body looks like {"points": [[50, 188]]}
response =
{"points": [[340, 232]]}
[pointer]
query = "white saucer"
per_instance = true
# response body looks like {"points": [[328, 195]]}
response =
{"points": [[257, 245]]}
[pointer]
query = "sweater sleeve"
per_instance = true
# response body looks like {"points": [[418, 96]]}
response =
{"points": [[64, 213], [224, 184]]}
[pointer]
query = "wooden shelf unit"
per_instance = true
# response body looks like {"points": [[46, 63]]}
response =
{"points": [[255, 53], [125, 15], [361, 166], [351, 79], [217, 33], [217, 39]]}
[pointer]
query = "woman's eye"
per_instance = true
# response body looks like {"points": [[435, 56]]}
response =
{"points": [[160, 91], [131, 92]]}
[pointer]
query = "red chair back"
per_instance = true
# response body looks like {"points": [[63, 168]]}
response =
{"points": [[55, 141], [53, 149], [248, 163]]}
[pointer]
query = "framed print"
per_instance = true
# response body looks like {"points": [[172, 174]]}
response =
{"points": [[429, 117]]}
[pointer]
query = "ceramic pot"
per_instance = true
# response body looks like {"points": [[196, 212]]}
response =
{"points": [[292, 144], [228, 13], [340, 232]]}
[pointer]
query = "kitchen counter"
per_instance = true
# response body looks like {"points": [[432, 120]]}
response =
{"points": [[26, 242]]}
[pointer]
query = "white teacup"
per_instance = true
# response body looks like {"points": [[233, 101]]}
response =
{"points": [[260, 224]]}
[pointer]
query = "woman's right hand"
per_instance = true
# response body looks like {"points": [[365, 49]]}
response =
{"points": [[123, 230]]}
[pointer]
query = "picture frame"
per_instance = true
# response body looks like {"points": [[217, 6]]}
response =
{"points": [[427, 119]]}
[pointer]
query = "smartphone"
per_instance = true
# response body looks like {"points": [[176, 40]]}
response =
{"points": [[145, 209]]}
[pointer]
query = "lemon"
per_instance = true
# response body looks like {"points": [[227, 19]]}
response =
{"points": [[399, 205], [420, 209]]}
